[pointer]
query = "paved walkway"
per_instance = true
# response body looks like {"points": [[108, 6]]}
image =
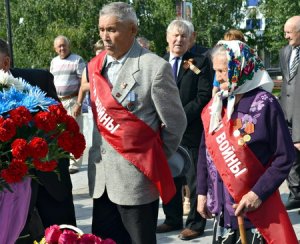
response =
{"points": [[83, 205]]}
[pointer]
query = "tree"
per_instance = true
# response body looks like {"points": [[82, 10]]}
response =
{"points": [[43, 20], [276, 13]]}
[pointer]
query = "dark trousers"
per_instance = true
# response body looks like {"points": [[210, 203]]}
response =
{"points": [[294, 178], [52, 211], [125, 224], [173, 210]]}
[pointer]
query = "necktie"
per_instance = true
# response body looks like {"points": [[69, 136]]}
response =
{"points": [[175, 68], [295, 63]]}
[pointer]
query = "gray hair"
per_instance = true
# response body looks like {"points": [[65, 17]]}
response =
{"points": [[190, 25], [181, 26], [218, 50], [123, 11], [62, 37]]}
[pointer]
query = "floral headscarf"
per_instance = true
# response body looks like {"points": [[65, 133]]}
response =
{"points": [[245, 73]]}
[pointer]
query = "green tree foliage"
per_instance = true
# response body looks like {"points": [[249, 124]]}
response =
{"points": [[276, 13], [210, 18], [213, 18], [78, 20], [43, 20], [154, 17]]}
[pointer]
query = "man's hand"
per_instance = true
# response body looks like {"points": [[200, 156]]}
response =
{"points": [[297, 146], [248, 203], [202, 207], [76, 110]]}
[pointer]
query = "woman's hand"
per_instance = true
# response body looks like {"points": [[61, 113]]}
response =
{"points": [[202, 207], [248, 203]]}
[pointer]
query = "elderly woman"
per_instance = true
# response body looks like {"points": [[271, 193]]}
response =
{"points": [[246, 151]]}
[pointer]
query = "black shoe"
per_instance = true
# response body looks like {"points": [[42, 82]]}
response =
{"points": [[163, 228], [292, 204]]}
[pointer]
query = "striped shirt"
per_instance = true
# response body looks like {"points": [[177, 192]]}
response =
{"points": [[67, 74]]}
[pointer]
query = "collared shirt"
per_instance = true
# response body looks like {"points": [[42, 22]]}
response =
{"points": [[172, 61], [113, 67]]}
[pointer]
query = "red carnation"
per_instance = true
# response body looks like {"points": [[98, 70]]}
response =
{"points": [[15, 171], [72, 142], [71, 124], [59, 112], [38, 147], [20, 149], [78, 145], [7, 129], [21, 116], [47, 166], [45, 121], [64, 140]]}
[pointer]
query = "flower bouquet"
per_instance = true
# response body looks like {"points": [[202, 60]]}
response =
{"points": [[35, 132], [68, 234]]}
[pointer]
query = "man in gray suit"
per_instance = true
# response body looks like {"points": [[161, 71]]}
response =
{"points": [[137, 109], [290, 101]]}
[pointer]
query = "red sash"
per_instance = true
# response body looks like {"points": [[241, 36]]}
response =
{"points": [[127, 134], [240, 170]]}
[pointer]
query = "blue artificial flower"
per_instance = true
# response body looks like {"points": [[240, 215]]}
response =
{"points": [[32, 97]]}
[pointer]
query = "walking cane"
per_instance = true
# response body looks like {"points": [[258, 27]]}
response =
{"points": [[242, 229]]}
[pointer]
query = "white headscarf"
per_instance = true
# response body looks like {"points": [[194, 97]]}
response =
{"points": [[245, 73]]}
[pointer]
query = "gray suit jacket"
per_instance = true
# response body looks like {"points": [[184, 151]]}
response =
{"points": [[157, 101], [289, 98]]}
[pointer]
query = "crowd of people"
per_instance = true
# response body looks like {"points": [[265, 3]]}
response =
{"points": [[209, 113]]}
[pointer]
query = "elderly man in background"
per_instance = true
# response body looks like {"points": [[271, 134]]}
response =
{"points": [[67, 70], [290, 101], [194, 80], [132, 91]]}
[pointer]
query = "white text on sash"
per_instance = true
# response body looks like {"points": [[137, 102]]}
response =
{"points": [[229, 156], [103, 117]]}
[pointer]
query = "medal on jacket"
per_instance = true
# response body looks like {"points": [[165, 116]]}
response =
{"points": [[131, 98], [188, 64]]}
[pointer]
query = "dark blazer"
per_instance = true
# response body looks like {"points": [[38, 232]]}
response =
{"points": [[195, 92], [199, 50], [289, 98], [58, 189]]}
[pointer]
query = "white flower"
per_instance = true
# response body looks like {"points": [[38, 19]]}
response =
{"points": [[4, 78], [7, 81]]}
